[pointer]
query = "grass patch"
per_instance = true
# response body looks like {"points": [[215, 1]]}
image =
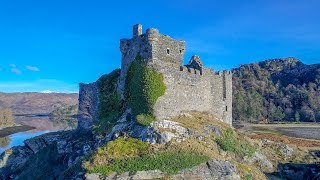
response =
{"points": [[168, 162], [145, 119], [124, 147], [229, 142], [143, 87], [110, 102], [131, 155]]}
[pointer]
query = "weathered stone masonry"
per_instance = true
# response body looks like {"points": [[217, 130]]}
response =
{"points": [[189, 87], [88, 105]]}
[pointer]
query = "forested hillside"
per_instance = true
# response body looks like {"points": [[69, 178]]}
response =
{"points": [[277, 90], [36, 103]]}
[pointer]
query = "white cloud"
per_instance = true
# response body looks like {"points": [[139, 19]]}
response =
{"points": [[33, 68], [15, 70]]}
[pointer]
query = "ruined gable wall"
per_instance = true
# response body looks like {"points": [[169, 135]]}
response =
{"points": [[88, 112]]}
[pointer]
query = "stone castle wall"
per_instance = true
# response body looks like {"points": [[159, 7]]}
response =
{"points": [[185, 91], [88, 105], [165, 49], [190, 87], [222, 95], [188, 90]]}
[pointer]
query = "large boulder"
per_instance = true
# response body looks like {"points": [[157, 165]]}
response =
{"points": [[213, 169], [260, 160]]}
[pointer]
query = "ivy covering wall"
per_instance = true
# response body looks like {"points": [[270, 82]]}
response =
{"points": [[111, 106], [143, 87]]}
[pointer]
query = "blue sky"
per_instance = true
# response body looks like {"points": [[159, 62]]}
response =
{"points": [[55, 44]]}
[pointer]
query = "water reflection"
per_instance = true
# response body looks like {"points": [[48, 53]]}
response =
{"points": [[5, 141], [46, 123], [42, 125], [17, 139]]}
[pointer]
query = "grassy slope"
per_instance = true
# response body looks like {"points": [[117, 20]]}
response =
{"points": [[160, 156]]}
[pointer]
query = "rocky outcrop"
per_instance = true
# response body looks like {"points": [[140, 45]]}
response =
{"points": [[50, 154], [260, 160], [88, 105], [213, 169]]}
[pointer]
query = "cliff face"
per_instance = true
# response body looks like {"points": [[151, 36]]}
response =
{"points": [[88, 105], [277, 90]]}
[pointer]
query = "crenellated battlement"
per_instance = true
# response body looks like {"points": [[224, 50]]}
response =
{"points": [[190, 70], [223, 73], [189, 87]]}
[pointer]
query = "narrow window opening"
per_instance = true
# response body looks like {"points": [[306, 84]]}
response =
{"points": [[226, 108], [180, 51], [168, 51]]}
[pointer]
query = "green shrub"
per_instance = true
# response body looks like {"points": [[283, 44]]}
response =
{"points": [[168, 162], [110, 101], [248, 176], [245, 148], [124, 147], [145, 119], [143, 87], [229, 142]]}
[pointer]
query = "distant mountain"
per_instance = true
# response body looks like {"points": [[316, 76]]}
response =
{"points": [[277, 90], [36, 103]]}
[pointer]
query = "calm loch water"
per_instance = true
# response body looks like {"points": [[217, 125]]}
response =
{"points": [[42, 125]]}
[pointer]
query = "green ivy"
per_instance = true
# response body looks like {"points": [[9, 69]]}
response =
{"points": [[143, 87], [110, 108]]}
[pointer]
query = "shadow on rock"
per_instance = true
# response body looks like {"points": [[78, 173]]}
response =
{"points": [[315, 154], [296, 171]]}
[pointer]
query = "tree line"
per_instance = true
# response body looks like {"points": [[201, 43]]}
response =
{"points": [[277, 90]]}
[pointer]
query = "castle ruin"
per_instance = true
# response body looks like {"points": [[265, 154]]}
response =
{"points": [[189, 87]]}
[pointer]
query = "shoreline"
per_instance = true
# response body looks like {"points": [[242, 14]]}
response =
{"points": [[7, 131], [304, 130]]}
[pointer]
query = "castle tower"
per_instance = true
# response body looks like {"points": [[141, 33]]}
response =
{"points": [[151, 46]]}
